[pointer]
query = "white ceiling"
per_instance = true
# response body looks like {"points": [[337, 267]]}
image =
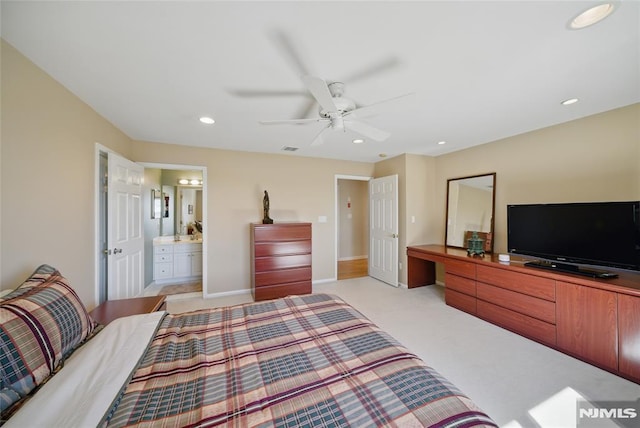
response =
{"points": [[479, 71]]}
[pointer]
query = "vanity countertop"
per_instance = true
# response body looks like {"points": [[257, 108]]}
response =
{"points": [[170, 240]]}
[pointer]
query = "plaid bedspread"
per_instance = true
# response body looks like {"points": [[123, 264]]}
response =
{"points": [[302, 361]]}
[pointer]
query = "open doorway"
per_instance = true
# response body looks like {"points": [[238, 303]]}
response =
{"points": [[175, 230], [158, 206], [352, 226]]}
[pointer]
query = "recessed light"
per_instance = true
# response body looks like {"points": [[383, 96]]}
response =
{"points": [[441, 143], [383, 155], [569, 101], [207, 120], [591, 16], [358, 141]]}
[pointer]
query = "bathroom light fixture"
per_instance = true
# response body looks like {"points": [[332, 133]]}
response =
{"points": [[358, 141], [207, 120], [591, 16], [192, 181], [569, 101]]}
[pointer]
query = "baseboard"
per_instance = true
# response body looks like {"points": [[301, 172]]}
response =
{"points": [[323, 281], [248, 291], [227, 293]]}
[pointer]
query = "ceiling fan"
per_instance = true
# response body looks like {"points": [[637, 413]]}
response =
{"points": [[337, 111]]}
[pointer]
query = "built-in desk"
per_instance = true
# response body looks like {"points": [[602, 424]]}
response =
{"points": [[595, 320]]}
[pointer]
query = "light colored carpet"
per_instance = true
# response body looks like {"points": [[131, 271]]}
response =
{"points": [[518, 382]]}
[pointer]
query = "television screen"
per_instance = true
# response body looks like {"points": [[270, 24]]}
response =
{"points": [[596, 233]]}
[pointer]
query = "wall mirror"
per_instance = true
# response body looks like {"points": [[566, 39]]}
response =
{"points": [[176, 200], [470, 208], [182, 210], [156, 203]]}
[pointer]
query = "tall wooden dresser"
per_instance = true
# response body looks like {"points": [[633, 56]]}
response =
{"points": [[280, 260]]}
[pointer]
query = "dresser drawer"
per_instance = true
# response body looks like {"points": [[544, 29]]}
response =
{"points": [[162, 249], [532, 306], [277, 291], [536, 286], [162, 271], [460, 268], [281, 248], [517, 322], [160, 258], [460, 284], [282, 233], [282, 276], [263, 264], [460, 301]]}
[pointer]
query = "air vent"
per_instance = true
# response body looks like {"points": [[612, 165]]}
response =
{"points": [[289, 148]]}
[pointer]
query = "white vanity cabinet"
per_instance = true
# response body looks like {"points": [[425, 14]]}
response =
{"points": [[162, 262], [187, 260], [176, 261]]}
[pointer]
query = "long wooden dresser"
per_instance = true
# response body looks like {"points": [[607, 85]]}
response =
{"points": [[595, 320], [280, 260]]}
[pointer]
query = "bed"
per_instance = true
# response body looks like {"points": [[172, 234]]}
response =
{"points": [[310, 360]]}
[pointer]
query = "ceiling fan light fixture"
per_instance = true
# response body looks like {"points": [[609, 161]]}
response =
{"points": [[591, 16], [207, 120]]}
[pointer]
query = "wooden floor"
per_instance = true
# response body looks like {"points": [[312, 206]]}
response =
{"points": [[353, 268]]}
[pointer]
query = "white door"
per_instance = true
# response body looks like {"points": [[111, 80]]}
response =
{"points": [[383, 236], [125, 239]]}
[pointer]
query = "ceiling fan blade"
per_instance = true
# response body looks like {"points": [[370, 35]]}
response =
{"points": [[320, 92], [292, 54], [318, 139], [368, 107], [379, 67], [292, 121], [366, 130]]}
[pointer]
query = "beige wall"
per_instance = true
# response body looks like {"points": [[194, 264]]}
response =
{"points": [[300, 189], [48, 175], [591, 159]]}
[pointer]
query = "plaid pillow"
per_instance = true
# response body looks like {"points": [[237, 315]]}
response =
{"points": [[41, 323]]}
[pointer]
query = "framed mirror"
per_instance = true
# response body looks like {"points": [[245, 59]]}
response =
{"points": [[156, 203], [470, 208]]}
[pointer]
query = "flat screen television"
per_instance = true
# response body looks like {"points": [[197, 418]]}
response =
{"points": [[565, 236]]}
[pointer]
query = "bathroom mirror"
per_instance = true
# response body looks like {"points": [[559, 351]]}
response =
{"points": [[156, 203], [470, 208], [179, 193], [189, 209]]}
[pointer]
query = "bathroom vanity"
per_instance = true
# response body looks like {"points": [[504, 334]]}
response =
{"points": [[176, 261]]}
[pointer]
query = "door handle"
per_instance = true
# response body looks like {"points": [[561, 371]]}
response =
{"points": [[117, 250], [395, 235]]}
